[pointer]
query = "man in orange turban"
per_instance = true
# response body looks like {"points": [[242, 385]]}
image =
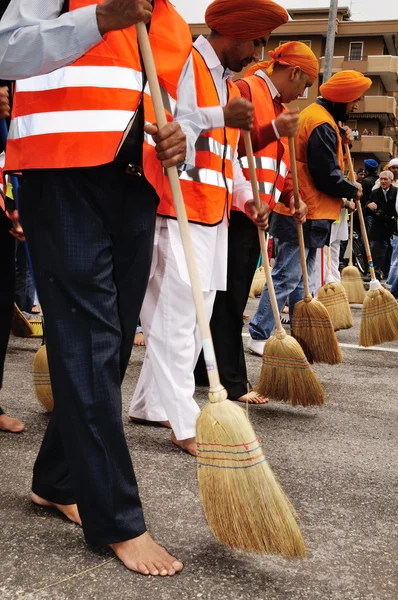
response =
{"points": [[291, 69], [320, 165]]}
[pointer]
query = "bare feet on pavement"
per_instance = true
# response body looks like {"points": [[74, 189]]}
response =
{"points": [[146, 422], [188, 445], [69, 510], [253, 398], [145, 556], [139, 339], [11, 425]]}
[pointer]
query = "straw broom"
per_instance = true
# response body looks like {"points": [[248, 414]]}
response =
{"points": [[334, 298], [311, 325], [258, 283], [286, 373], [379, 320], [20, 325], [350, 275], [244, 505]]}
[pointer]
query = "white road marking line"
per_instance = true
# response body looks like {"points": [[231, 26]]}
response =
{"points": [[355, 346]]}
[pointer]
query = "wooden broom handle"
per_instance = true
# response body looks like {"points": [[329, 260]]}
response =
{"points": [[350, 263], [172, 173], [360, 215], [261, 234], [329, 265], [296, 191]]}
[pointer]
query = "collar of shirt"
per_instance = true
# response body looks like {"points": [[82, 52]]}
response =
{"points": [[274, 92], [211, 58]]}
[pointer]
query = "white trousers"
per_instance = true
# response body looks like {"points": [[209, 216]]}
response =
{"points": [[166, 384]]}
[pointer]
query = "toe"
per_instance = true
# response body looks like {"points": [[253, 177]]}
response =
{"points": [[178, 565], [142, 568]]}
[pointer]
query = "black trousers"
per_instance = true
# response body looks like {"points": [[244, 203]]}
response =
{"points": [[7, 286], [226, 322], [90, 235]]}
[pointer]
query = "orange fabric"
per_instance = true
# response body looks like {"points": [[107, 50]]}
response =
{"points": [[205, 203], [320, 205], [171, 43], [238, 20], [267, 175], [2, 203], [345, 86], [294, 54]]}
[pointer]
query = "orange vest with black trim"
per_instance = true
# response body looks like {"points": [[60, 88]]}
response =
{"points": [[207, 188], [76, 116], [320, 205], [273, 161]]}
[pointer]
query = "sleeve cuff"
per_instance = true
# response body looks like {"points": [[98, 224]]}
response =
{"points": [[278, 137], [88, 34]]}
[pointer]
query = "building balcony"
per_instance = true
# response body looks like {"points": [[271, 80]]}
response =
{"points": [[384, 66], [383, 108], [379, 145]]}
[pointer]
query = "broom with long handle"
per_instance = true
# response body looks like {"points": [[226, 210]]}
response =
{"points": [[311, 325], [334, 298], [350, 275], [244, 505], [286, 374], [379, 320]]}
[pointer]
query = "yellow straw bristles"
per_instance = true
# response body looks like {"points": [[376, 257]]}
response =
{"points": [[244, 505], [314, 331], [379, 322], [286, 374], [41, 378], [353, 285], [258, 283], [20, 326], [334, 298]]}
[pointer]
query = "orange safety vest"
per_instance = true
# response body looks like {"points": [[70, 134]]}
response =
{"points": [[2, 192], [273, 161], [207, 188], [76, 115], [320, 205]]}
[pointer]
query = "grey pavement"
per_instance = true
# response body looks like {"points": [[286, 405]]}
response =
{"points": [[339, 465]]}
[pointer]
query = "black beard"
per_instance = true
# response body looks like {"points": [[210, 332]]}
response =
{"points": [[340, 112]]}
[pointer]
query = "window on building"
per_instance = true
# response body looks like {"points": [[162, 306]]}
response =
{"points": [[356, 51]]}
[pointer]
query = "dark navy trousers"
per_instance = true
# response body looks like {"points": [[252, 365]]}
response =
{"points": [[90, 234]]}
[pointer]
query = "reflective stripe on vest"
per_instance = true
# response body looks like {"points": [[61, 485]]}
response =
{"points": [[207, 176]]}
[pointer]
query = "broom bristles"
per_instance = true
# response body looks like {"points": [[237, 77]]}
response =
{"points": [[243, 503], [379, 322], [353, 285], [334, 298], [20, 326], [286, 374], [258, 283], [313, 330]]}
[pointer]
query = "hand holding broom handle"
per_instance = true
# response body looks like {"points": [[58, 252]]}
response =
{"points": [[360, 215], [296, 192], [262, 236], [217, 391]]}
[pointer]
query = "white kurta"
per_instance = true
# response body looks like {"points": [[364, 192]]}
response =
{"points": [[166, 385]]}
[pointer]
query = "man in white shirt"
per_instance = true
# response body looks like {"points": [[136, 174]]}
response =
{"points": [[165, 389]]}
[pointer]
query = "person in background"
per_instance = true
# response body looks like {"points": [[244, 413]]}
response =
{"points": [[10, 232], [323, 187], [360, 175], [382, 204], [392, 166]]}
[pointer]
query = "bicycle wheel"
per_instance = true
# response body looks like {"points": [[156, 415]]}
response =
{"points": [[359, 256]]}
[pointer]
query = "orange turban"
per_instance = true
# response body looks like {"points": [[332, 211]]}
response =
{"points": [[294, 54], [345, 86], [240, 20]]}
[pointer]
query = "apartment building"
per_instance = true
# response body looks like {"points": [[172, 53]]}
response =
{"points": [[368, 47]]}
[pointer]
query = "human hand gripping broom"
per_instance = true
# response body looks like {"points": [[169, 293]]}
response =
{"points": [[243, 503], [379, 320], [334, 298], [311, 325], [286, 374]]}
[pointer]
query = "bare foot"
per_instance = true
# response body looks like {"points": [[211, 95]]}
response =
{"points": [[12, 425], [69, 510], [36, 310], [246, 316], [146, 422], [253, 398], [139, 339], [145, 556], [188, 445]]}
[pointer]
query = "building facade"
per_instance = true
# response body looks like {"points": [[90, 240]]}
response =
{"points": [[368, 47]]}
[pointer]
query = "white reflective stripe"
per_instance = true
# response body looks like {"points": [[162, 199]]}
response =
{"points": [[73, 121], [209, 144], [283, 170], [207, 176], [168, 101], [261, 162], [147, 137], [90, 76]]}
